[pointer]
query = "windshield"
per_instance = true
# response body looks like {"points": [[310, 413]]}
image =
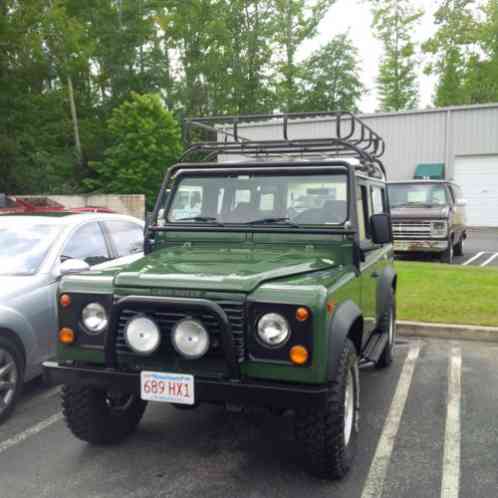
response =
{"points": [[417, 194], [307, 199], [23, 246]]}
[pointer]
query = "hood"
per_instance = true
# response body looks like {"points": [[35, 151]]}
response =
{"points": [[12, 287], [221, 268], [408, 212]]}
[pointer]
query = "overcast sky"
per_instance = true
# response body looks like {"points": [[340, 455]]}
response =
{"points": [[355, 16]]}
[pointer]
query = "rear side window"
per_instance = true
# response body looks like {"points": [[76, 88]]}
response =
{"points": [[127, 238], [87, 243]]}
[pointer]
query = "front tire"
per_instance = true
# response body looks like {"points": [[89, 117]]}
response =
{"points": [[329, 435], [97, 418], [447, 255], [11, 377]]}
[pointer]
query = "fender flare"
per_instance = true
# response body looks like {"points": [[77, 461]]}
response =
{"points": [[343, 319], [387, 281]]}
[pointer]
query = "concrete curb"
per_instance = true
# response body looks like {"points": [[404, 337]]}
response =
{"points": [[448, 331]]}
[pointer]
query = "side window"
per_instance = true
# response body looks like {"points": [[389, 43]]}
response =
{"points": [[87, 243], [378, 200], [242, 196], [127, 238], [363, 213]]}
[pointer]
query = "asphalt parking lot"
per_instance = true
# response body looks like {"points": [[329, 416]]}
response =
{"points": [[428, 429]]}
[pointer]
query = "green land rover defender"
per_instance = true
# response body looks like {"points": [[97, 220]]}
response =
{"points": [[267, 280]]}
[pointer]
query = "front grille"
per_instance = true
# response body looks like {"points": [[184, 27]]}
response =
{"points": [[166, 318], [411, 229]]}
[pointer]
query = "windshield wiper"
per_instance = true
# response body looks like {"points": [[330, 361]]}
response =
{"points": [[201, 219], [262, 221]]}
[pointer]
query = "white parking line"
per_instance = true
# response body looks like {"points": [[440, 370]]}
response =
{"points": [[374, 484], [35, 429], [473, 258], [495, 255], [451, 459]]}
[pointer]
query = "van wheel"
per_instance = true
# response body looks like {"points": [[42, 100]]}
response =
{"points": [[459, 247], [11, 377], [94, 416], [447, 255], [329, 435]]}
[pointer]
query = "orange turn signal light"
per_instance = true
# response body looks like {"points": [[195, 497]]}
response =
{"points": [[299, 355], [302, 314], [65, 300], [67, 335]]}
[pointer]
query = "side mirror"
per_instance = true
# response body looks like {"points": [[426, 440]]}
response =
{"points": [[381, 228], [461, 203], [73, 266]]}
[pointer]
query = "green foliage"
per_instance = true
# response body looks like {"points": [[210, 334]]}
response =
{"points": [[393, 23], [294, 22], [450, 48], [145, 141], [329, 78]]}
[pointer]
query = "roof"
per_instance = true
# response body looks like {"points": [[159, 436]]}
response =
{"points": [[65, 219]]}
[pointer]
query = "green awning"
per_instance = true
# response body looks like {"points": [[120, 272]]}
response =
{"points": [[429, 171]]}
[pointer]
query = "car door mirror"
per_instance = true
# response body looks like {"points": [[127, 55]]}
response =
{"points": [[73, 266], [381, 228]]}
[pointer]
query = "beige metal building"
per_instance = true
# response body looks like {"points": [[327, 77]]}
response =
{"points": [[464, 139]]}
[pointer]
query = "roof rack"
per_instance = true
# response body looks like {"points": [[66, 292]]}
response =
{"points": [[349, 136]]}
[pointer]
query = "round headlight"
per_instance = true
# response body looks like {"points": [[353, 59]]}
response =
{"points": [[142, 335], [94, 318], [190, 339], [273, 329]]}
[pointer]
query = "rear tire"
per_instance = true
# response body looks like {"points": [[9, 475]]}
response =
{"points": [[94, 417], [329, 435], [459, 247], [11, 377], [388, 326]]}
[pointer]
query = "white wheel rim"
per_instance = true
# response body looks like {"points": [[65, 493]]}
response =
{"points": [[8, 379], [348, 408]]}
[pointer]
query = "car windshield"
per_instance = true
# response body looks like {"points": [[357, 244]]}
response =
{"points": [[24, 245], [307, 199], [417, 194]]}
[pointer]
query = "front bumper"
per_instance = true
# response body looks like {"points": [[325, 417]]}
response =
{"points": [[206, 390], [414, 245]]}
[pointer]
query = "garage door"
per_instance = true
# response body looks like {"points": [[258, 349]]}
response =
{"points": [[478, 177]]}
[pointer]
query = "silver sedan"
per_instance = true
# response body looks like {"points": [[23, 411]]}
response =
{"points": [[35, 251]]}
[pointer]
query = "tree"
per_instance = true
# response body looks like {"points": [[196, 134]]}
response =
{"points": [[146, 140], [393, 23], [450, 48], [294, 22], [330, 78]]}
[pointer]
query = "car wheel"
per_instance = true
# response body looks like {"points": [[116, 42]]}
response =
{"points": [[329, 435], [94, 416], [459, 247], [388, 326], [447, 255], [11, 377]]}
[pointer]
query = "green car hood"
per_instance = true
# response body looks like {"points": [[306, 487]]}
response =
{"points": [[221, 268]]}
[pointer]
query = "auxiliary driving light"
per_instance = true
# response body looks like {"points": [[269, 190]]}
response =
{"points": [[273, 329], [190, 339], [142, 335], [299, 355], [66, 336]]}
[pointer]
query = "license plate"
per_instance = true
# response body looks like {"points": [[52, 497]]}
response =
{"points": [[167, 387]]}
